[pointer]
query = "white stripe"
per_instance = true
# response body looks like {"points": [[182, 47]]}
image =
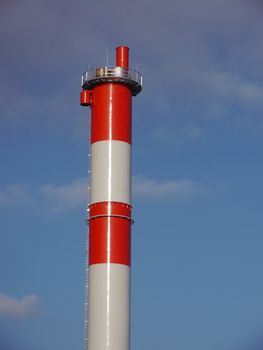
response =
{"points": [[109, 307], [110, 172]]}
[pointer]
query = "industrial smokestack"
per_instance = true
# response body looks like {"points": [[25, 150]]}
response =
{"points": [[108, 91]]}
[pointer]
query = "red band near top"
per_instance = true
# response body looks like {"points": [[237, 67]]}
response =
{"points": [[111, 113]]}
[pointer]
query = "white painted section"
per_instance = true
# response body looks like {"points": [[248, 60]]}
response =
{"points": [[109, 307], [110, 172]]}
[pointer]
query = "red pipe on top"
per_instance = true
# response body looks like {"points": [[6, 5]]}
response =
{"points": [[122, 57]]}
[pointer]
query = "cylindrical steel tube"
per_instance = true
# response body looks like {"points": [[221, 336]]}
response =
{"points": [[122, 57], [110, 200], [110, 212]]}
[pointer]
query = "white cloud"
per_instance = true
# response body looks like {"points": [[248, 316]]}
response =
{"points": [[66, 196], [14, 307], [180, 188], [73, 195], [15, 194]]}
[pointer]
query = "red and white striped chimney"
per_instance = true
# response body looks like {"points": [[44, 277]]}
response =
{"points": [[108, 91]]}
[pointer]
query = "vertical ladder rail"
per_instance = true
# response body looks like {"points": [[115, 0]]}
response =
{"points": [[87, 248]]}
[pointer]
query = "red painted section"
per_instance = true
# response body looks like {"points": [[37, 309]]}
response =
{"points": [[110, 208], [109, 241], [111, 113], [122, 57], [110, 236], [85, 97]]}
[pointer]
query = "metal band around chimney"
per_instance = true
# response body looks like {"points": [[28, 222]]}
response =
{"points": [[99, 216]]}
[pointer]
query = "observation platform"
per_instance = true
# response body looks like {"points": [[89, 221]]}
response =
{"points": [[101, 75]]}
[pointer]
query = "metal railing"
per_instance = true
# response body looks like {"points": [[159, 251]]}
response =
{"points": [[111, 73]]}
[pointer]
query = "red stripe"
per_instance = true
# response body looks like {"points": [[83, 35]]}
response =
{"points": [[110, 233], [109, 208], [111, 113]]}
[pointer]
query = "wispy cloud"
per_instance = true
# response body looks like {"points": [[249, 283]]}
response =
{"points": [[233, 86], [21, 308], [149, 188], [64, 197], [15, 194]]}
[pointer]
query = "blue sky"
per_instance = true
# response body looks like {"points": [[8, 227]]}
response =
{"points": [[197, 170]]}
